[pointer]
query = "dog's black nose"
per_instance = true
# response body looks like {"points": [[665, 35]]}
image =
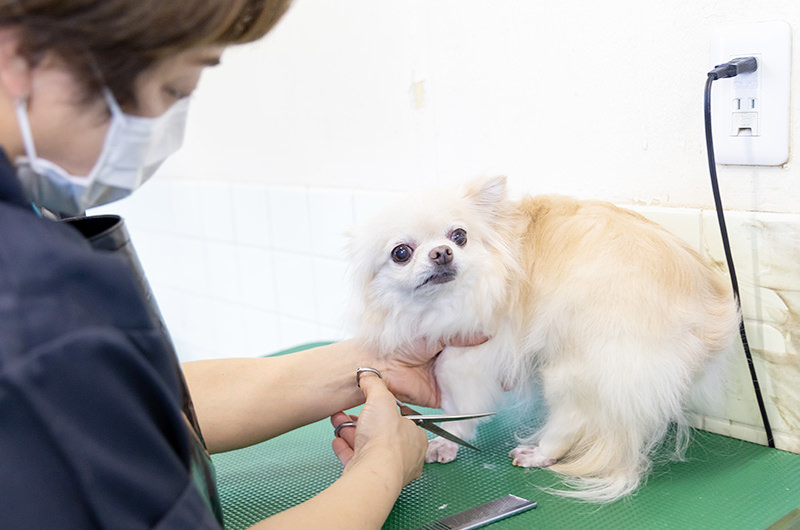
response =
{"points": [[441, 255]]}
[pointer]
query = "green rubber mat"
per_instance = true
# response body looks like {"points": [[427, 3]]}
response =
{"points": [[724, 483]]}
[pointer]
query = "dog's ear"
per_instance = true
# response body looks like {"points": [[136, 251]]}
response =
{"points": [[487, 193]]}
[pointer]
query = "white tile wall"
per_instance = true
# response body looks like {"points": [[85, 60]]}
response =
{"points": [[247, 269], [331, 215], [291, 222]]}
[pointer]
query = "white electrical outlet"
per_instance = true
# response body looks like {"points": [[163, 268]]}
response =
{"points": [[750, 112]]}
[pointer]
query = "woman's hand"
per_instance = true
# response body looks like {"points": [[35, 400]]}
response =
{"points": [[410, 374], [382, 436]]}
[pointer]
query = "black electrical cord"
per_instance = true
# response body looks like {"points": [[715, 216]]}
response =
{"points": [[732, 68]]}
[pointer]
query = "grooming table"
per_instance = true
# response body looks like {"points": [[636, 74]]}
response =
{"points": [[725, 483]]}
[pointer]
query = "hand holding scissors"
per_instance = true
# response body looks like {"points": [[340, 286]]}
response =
{"points": [[383, 442], [425, 421]]}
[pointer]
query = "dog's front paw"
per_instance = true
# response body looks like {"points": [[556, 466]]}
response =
{"points": [[441, 450], [530, 456]]}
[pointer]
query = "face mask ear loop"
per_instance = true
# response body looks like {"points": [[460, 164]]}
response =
{"points": [[113, 106], [21, 107]]}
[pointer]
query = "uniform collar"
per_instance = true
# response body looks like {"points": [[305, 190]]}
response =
{"points": [[10, 188]]}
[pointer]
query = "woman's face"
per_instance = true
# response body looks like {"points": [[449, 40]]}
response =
{"points": [[158, 88], [71, 133]]}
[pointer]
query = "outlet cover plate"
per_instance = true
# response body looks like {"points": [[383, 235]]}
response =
{"points": [[750, 112]]}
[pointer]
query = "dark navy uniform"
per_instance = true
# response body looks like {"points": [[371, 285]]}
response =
{"points": [[93, 409]]}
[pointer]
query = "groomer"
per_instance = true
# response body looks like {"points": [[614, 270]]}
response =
{"points": [[97, 427]]}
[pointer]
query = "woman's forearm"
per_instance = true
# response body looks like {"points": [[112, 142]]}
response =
{"points": [[360, 499], [240, 402]]}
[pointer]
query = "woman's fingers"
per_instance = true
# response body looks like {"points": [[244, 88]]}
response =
{"points": [[344, 436], [409, 440], [344, 427], [412, 376], [372, 385], [343, 451], [383, 435], [468, 340]]}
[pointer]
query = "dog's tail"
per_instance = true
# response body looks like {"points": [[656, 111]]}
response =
{"points": [[611, 467], [597, 490]]}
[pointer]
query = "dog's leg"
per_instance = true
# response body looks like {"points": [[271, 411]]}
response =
{"points": [[570, 403], [555, 440], [469, 384], [441, 450]]}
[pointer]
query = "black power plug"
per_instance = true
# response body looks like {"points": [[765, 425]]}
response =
{"points": [[734, 67]]}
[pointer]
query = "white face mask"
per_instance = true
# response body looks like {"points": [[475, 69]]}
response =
{"points": [[133, 149]]}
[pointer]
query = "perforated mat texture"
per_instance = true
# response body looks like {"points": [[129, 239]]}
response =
{"points": [[724, 483]]}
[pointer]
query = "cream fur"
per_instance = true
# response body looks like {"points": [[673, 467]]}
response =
{"points": [[612, 315]]}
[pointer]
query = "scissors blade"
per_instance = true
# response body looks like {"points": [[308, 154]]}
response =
{"points": [[412, 414], [425, 421], [435, 429], [446, 417], [405, 410]]}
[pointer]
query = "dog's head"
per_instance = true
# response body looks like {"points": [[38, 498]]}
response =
{"points": [[433, 264]]}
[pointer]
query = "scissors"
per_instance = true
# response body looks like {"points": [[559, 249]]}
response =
{"points": [[425, 421], [428, 422]]}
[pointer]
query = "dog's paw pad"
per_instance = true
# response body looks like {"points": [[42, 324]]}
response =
{"points": [[441, 450], [530, 456]]}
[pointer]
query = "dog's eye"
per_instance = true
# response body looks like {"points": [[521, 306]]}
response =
{"points": [[459, 237], [401, 253]]}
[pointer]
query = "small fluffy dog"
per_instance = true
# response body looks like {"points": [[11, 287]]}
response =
{"points": [[613, 317]]}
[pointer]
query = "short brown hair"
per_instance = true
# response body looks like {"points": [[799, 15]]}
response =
{"points": [[111, 42]]}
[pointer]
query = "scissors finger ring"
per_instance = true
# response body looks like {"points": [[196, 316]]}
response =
{"points": [[365, 369], [342, 425]]}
